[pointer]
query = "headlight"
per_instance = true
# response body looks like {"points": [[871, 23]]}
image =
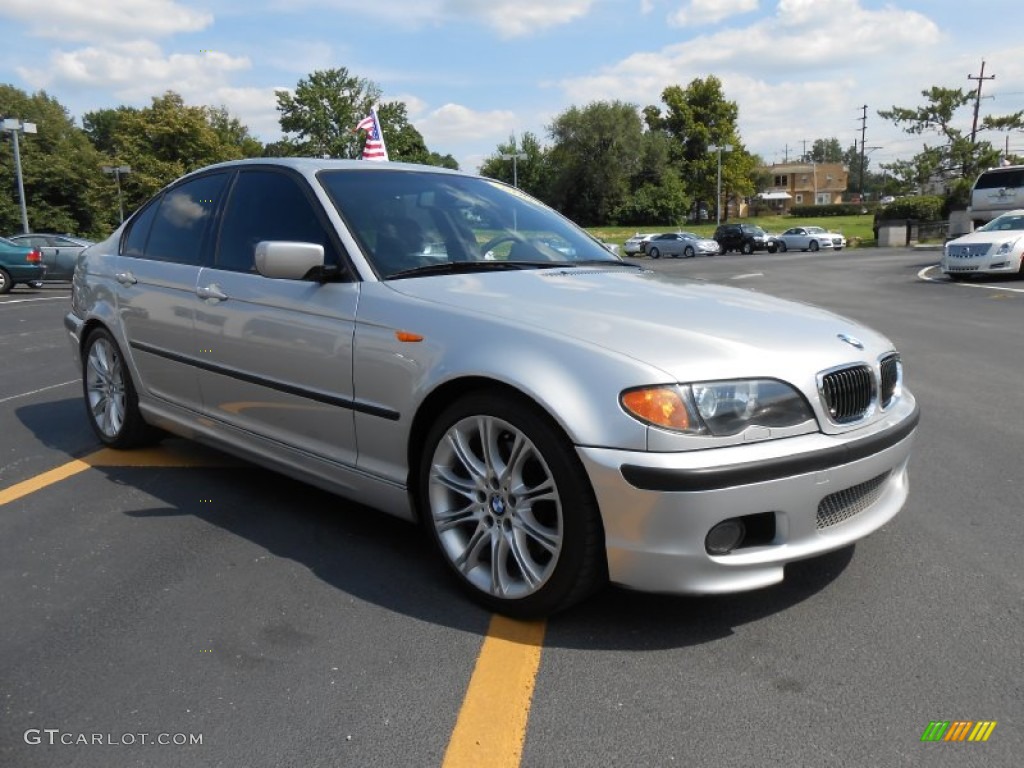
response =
{"points": [[1006, 247], [719, 408]]}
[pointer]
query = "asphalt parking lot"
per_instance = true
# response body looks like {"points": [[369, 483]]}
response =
{"points": [[176, 595]]}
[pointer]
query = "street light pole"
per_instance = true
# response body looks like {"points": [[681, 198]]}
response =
{"points": [[117, 170], [514, 157], [718, 199], [14, 126]]}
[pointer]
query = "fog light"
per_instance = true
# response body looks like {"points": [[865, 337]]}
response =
{"points": [[725, 537]]}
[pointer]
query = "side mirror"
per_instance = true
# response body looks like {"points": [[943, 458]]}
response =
{"points": [[288, 260]]}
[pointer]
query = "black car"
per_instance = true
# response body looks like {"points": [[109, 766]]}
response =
{"points": [[745, 238]]}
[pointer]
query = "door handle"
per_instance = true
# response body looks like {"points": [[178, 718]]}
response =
{"points": [[211, 291], [125, 278]]}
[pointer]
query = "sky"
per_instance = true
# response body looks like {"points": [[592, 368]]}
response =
{"points": [[473, 73]]}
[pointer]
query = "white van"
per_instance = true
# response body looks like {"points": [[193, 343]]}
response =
{"points": [[996, 191]]}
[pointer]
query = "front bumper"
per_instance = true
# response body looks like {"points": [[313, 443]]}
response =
{"points": [[655, 533], [994, 264]]}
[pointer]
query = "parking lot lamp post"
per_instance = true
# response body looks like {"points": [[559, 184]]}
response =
{"points": [[718, 198], [117, 170], [14, 126], [514, 157]]}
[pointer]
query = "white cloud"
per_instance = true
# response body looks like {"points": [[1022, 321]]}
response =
{"points": [[454, 124], [105, 19], [515, 18], [510, 18], [799, 74], [135, 71], [697, 12]]}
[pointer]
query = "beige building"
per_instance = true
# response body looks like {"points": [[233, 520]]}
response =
{"points": [[792, 184]]}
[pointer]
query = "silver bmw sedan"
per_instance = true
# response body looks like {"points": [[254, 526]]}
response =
{"points": [[447, 349]]}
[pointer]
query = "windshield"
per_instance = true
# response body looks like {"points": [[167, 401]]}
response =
{"points": [[1007, 221], [408, 220]]}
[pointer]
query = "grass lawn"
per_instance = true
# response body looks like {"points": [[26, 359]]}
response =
{"points": [[856, 228]]}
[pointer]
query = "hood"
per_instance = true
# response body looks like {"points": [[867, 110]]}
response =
{"points": [[986, 238], [692, 330]]}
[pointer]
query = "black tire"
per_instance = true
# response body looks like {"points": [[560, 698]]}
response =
{"points": [[773, 248], [553, 547], [782, 246], [814, 246], [722, 250], [5, 282], [688, 252], [747, 248], [654, 253], [111, 403]]}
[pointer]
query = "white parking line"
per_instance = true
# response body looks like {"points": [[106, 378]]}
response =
{"points": [[26, 301], [37, 391], [749, 274], [922, 275]]}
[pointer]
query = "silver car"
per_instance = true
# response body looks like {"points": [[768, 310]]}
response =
{"points": [[676, 244], [554, 417]]}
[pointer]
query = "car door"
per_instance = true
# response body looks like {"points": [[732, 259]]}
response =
{"points": [[155, 282], [277, 352], [65, 254]]}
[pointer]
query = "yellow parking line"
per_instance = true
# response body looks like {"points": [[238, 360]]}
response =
{"points": [[33, 484], [491, 727], [165, 456]]}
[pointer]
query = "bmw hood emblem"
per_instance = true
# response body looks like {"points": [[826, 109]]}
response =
{"points": [[853, 341]]}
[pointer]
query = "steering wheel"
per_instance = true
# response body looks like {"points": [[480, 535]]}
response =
{"points": [[515, 238]]}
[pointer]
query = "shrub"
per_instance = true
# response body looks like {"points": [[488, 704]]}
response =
{"points": [[818, 211], [921, 208]]}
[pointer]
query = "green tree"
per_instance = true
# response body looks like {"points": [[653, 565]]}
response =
{"points": [[324, 111], [697, 118], [959, 156], [826, 151], [530, 172], [166, 140], [64, 186], [594, 157]]}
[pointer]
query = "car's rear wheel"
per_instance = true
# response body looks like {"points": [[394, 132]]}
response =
{"points": [[814, 245], [111, 402], [654, 253], [688, 252], [509, 507], [746, 249], [5, 282]]}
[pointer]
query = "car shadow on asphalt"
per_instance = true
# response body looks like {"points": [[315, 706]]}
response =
{"points": [[389, 562]]}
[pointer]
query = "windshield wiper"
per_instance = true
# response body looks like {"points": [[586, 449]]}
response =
{"points": [[600, 263], [463, 267]]}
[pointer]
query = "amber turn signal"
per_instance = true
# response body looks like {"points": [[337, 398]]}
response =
{"points": [[662, 406]]}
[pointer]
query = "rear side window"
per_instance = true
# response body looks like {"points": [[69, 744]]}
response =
{"points": [[1001, 178], [138, 231], [267, 205], [183, 219]]}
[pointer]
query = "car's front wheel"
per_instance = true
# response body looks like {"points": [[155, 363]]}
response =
{"points": [[814, 245], [5, 282], [510, 508], [654, 253], [688, 252], [111, 402]]}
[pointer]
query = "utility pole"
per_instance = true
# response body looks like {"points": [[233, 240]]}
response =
{"points": [[977, 97], [863, 130]]}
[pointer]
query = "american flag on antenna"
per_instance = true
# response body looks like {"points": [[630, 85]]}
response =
{"points": [[374, 149]]}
